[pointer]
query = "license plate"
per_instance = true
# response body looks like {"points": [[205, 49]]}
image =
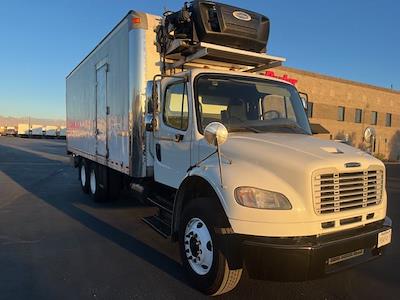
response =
{"points": [[384, 238]]}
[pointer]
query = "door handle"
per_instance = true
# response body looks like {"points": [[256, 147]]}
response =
{"points": [[158, 151], [178, 137]]}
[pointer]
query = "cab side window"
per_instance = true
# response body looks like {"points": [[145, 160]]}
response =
{"points": [[176, 108]]}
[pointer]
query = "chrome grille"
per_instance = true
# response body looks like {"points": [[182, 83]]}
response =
{"points": [[335, 192]]}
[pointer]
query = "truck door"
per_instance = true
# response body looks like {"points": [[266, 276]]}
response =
{"points": [[101, 110], [173, 139]]}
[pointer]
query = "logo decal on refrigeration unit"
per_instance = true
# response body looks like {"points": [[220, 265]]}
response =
{"points": [[241, 15]]}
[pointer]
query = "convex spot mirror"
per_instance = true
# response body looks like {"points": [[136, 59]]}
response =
{"points": [[215, 134], [369, 135]]}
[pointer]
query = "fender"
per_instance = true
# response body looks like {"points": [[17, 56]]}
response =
{"points": [[195, 184]]}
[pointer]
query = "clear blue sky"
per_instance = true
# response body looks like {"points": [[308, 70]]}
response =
{"points": [[41, 41]]}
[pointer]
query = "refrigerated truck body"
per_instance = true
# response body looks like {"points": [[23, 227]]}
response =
{"points": [[62, 132], [37, 130], [23, 130], [272, 198], [50, 131]]}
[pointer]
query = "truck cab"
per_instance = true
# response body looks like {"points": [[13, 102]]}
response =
{"points": [[310, 206]]}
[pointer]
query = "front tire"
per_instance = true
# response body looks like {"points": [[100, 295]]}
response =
{"points": [[205, 264]]}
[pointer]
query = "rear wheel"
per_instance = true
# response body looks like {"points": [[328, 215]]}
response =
{"points": [[205, 264], [96, 191], [84, 176]]}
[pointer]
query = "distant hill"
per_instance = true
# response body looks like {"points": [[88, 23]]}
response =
{"points": [[13, 121]]}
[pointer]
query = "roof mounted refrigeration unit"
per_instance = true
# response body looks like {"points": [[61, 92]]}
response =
{"points": [[212, 32]]}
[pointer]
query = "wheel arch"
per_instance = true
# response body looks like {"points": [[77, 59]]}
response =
{"points": [[193, 187]]}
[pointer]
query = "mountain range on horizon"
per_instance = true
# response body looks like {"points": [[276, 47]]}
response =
{"points": [[14, 121]]}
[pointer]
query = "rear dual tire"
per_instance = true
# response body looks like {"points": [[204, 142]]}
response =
{"points": [[97, 192], [84, 172], [90, 179]]}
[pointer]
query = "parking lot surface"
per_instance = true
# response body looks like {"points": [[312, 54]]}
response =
{"points": [[55, 243]]}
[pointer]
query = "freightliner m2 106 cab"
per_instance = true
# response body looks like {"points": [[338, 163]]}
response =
{"points": [[174, 108]]}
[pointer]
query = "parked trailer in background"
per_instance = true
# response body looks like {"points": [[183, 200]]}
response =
{"points": [[36, 130], [24, 130], [62, 132], [11, 131], [50, 131], [226, 154]]}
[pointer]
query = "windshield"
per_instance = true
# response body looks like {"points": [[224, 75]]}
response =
{"points": [[249, 104]]}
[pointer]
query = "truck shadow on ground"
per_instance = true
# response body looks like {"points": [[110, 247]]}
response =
{"points": [[338, 286], [124, 240]]}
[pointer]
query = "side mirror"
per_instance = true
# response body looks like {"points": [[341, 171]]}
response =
{"points": [[304, 99], [151, 122], [215, 134]]}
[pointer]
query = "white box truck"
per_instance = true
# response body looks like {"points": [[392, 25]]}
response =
{"points": [[37, 130], [11, 131], [50, 131], [62, 132], [23, 130], [226, 154]]}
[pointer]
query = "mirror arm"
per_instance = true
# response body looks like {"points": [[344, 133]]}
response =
{"points": [[201, 161], [220, 165]]}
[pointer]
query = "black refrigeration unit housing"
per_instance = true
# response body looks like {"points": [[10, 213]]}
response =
{"points": [[215, 23]]}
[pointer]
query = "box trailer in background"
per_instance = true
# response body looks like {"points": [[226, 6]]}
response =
{"points": [[62, 132], [11, 130], [50, 131], [37, 130], [24, 130]]}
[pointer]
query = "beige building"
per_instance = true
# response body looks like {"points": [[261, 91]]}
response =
{"points": [[346, 108]]}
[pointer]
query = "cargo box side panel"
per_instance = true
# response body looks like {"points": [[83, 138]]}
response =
{"points": [[118, 100], [82, 100]]}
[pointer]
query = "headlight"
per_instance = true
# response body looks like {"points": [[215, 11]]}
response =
{"points": [[256, 198]]}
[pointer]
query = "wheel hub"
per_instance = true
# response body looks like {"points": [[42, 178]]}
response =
{"points": [[198, 246]]}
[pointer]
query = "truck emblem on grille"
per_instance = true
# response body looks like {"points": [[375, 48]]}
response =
{"points": [[352, 165], [241, 15]]}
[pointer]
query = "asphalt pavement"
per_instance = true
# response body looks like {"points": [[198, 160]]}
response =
{"points": [[55, 243]]}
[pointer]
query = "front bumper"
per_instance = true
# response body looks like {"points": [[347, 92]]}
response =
{"points": [[303, 258]]}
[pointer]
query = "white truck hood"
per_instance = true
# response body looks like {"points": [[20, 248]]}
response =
{"points": [[297, 150], [287, 163]]}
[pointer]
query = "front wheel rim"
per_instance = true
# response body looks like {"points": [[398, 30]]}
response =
{"points": [[198, 246], [93, 182]]}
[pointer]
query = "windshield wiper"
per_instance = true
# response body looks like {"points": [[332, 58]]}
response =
{"points": [[243, 128], [289, 126]]}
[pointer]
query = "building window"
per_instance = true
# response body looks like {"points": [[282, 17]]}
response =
{"points": [[340, 113], [358, 116], [388, 121], [374, 118], [310, 107]]}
